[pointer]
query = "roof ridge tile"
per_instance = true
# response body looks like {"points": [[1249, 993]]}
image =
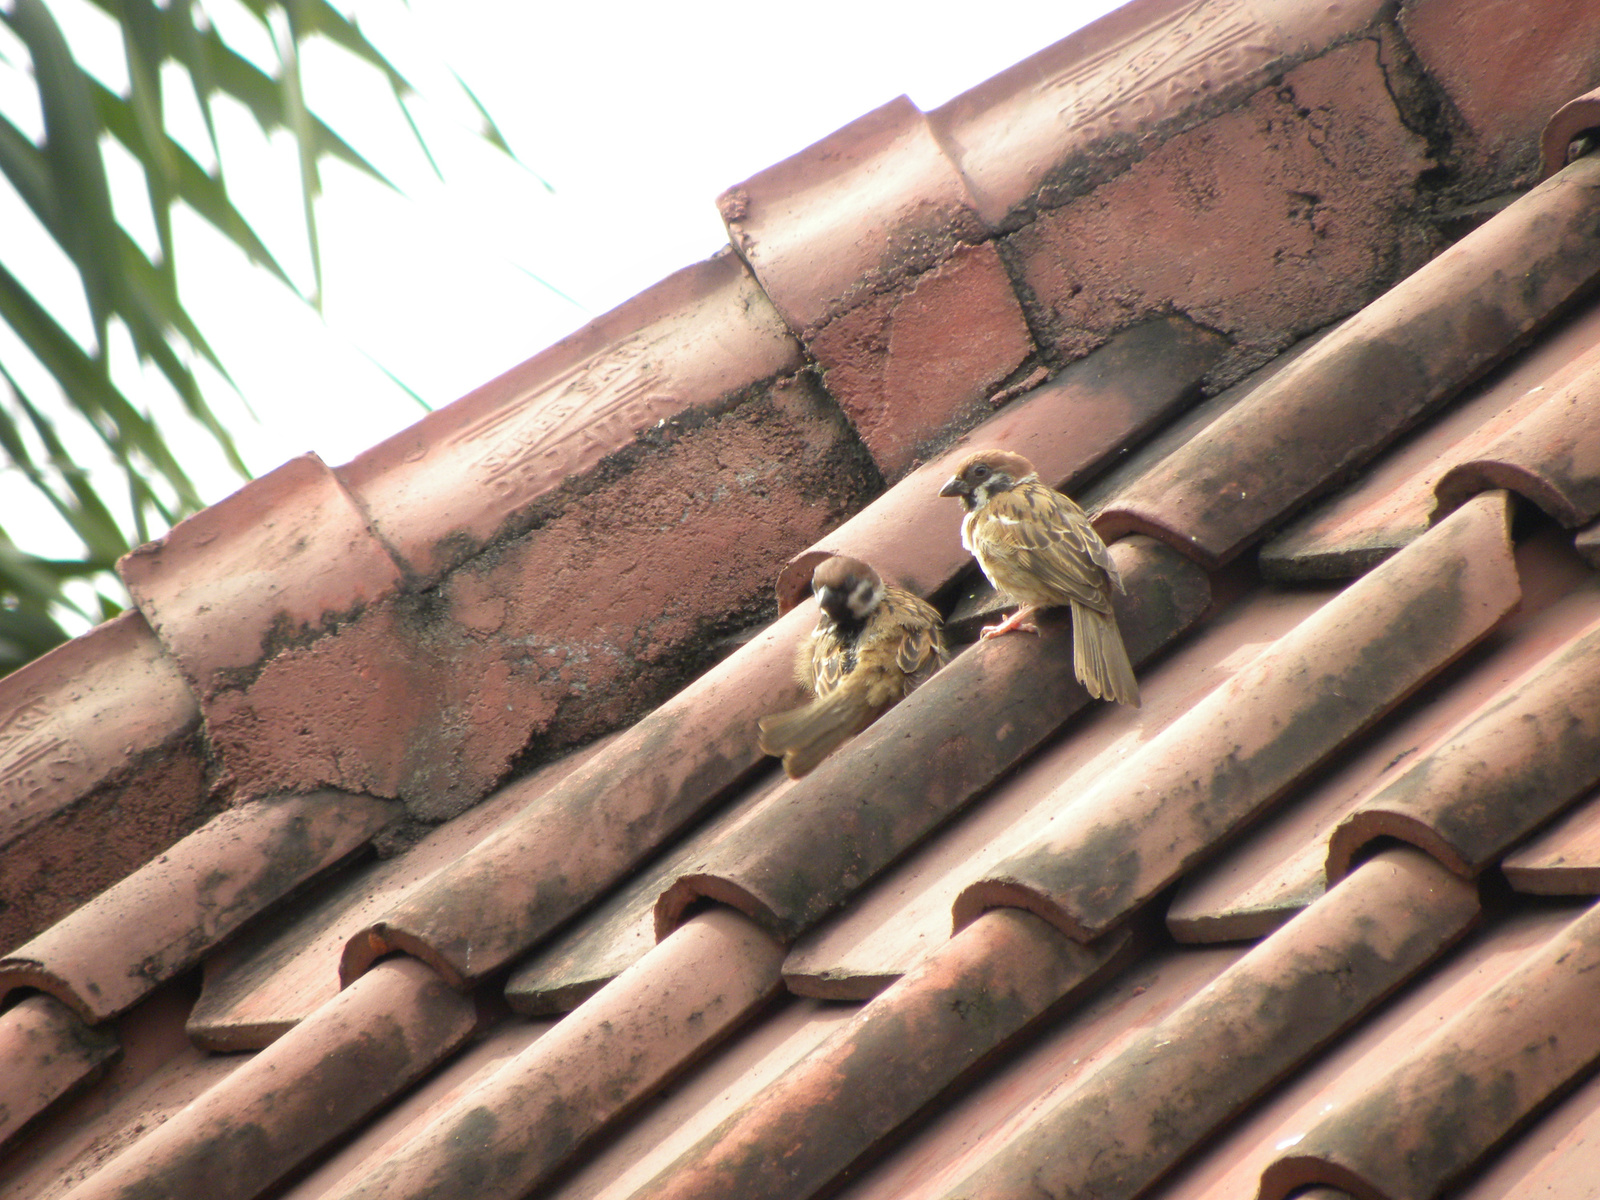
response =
{"points": [[100, 733], [278, 560], [869, 245], [699, 335], [1064, 119]]}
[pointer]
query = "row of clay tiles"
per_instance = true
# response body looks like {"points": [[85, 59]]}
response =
{"points": [[794, 835], [138, 652], [276, 629]]}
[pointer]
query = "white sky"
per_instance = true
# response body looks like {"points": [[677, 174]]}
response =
{"points": [[638, 115]]}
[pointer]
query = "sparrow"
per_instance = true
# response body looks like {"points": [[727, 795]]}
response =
{"points": [[872, 644], [1039, 550]]}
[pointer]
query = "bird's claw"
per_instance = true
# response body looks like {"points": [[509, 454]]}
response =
{"points": [[1012, 623]]}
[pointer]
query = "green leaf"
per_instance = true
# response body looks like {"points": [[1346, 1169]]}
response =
{"points": [[72, 152], [123, 428], [305, 137], [89, 517], [195, 187], [143, 41]]}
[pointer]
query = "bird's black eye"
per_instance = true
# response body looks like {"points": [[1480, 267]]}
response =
{"points": [[979, 471]]}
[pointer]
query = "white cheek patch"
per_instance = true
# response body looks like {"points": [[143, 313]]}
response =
{"points": [[864, 598]]}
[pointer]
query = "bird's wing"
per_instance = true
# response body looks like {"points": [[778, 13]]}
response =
{"points": [[1044, 533], [831, 660], [920, 632], [919, 649]]}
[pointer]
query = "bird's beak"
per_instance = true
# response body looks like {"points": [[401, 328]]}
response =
{"points": [[953, 488], [830, 601]]}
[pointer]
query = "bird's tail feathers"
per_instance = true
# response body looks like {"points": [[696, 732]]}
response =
{"points": [[805, 736], [1099, 658]]}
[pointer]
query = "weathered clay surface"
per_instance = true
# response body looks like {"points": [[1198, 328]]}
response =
{"points": [[101, 769], [1415, 1130], [565, 632], [1179, 1079], [1289, 211], [1505, 66]]}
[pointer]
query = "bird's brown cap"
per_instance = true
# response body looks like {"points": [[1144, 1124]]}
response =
{"points": [[982, 464]]}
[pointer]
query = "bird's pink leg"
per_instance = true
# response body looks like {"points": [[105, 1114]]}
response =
{"points": [[1016, 621]]}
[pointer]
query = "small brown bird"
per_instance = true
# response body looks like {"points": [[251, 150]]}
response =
{"points": [[1038, 548], [872, 644]]}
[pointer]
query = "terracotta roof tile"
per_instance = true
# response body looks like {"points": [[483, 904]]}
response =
{"points": [[1548, 456], [1559, 1159], [1504, 88], [1230, 1164], [1367, 381], [666, 462], [1282, 867], [260, 984], [509, 1132], [966, 1001], [1561, 860], [1485, 1072], [681, 1115], [1120, 842], [1510, 767], [611, 937], [1263, 1016], [976, 1126], [251, 1128], [158, 1074], [102, 770], [443, 488], [1394, 503], [395, 1126], [789, 866], [160, 920], [906, 913], [50, 1054], [1578, 116]]}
